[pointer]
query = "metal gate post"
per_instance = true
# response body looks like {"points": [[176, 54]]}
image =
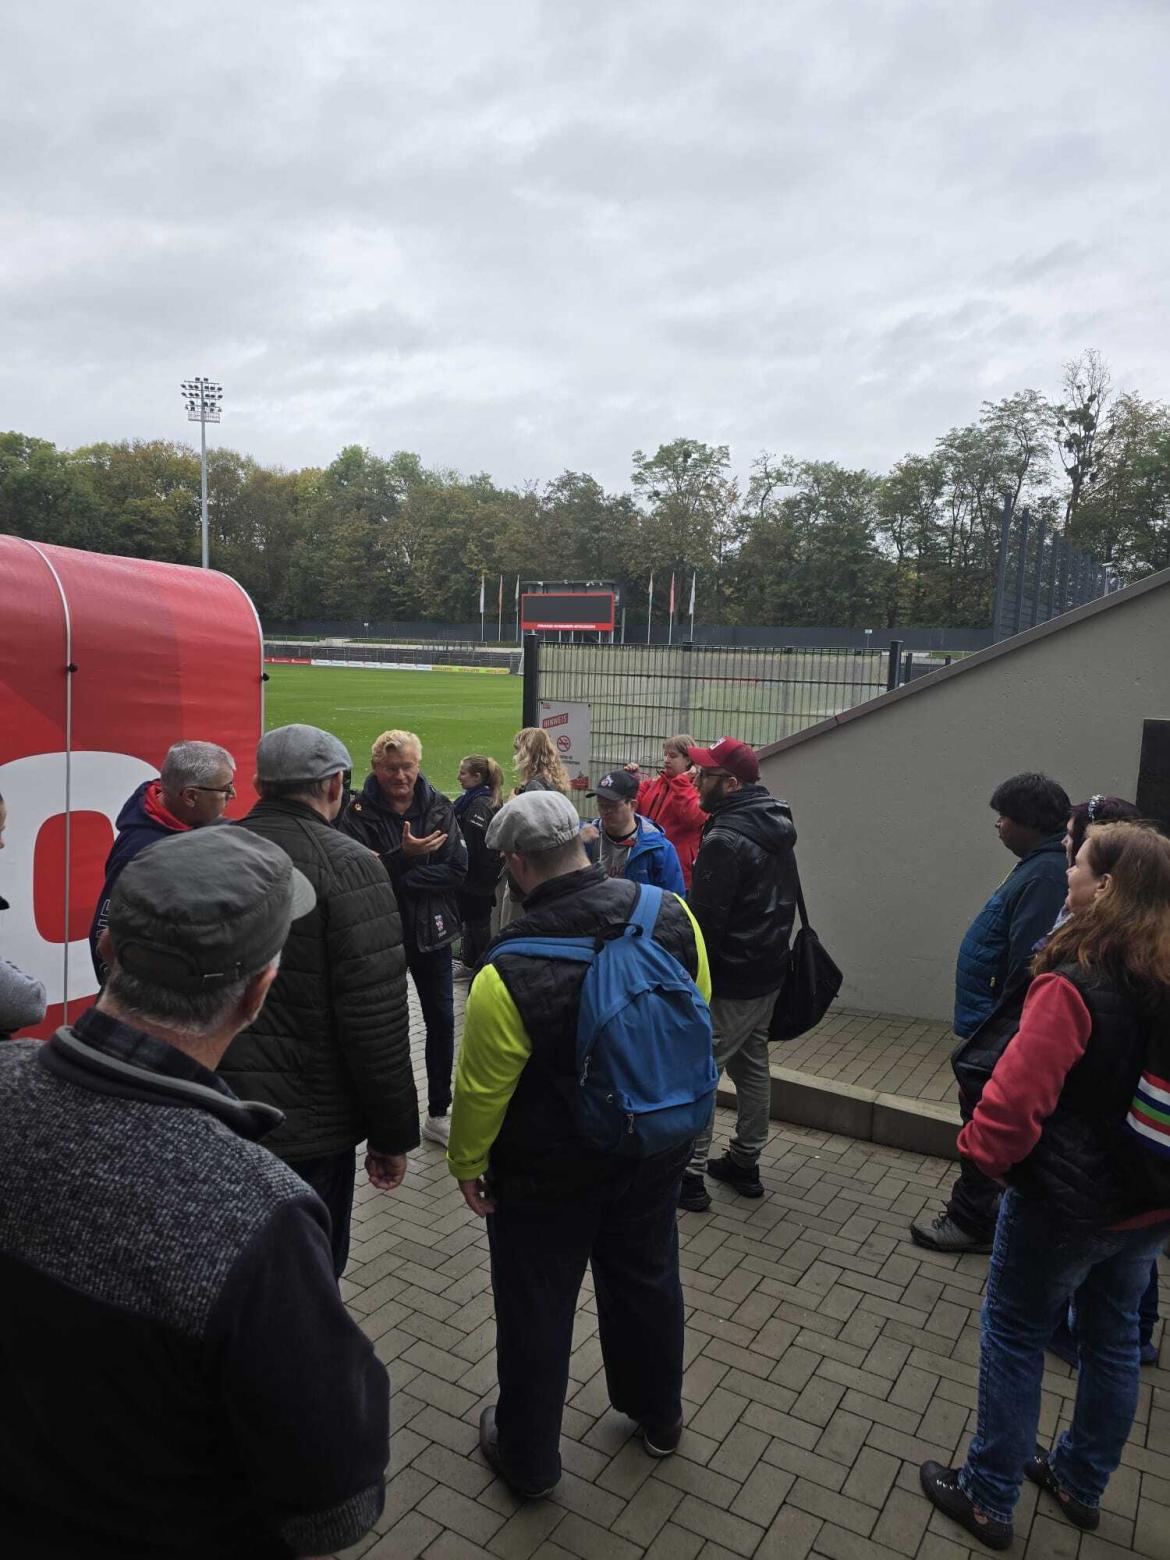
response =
{"points": [[531, 700], [893, 664]]}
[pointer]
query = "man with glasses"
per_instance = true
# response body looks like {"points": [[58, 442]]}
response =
{"points": [[743, 895], [193, 789]]}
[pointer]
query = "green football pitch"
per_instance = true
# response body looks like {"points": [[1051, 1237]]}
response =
{"points": [[453, 713]]}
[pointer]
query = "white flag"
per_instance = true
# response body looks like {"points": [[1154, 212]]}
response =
{"points": [[692, 606], [650, 597], [481, 595]]}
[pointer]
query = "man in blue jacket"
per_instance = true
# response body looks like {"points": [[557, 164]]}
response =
{"points": [[1031, 812], [628, 845]]}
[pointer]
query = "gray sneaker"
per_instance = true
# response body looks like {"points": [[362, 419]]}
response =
{"points": [[939, 1232]]}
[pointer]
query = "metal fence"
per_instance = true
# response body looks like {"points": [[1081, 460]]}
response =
{"points": [[641, 694], [1039, 575]]}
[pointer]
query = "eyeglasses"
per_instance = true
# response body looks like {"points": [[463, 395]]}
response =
{"points": [[220, 790]]}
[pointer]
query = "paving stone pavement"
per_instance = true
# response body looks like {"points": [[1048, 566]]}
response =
{"points": [[826, 1357]]}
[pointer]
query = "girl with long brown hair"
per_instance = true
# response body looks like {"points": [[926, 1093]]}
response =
{"points": [[1087, 1204]]}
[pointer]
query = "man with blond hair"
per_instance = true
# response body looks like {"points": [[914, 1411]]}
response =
{"points": [[399, 815]]}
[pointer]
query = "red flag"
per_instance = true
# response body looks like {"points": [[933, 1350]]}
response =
{"points": [[672, 595]]}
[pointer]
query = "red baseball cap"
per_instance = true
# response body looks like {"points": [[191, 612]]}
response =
{"points": [[738, 758]]}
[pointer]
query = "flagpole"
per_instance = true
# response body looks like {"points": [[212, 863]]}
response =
{"points": [[650, 607], [481, 628], [517, 609], [670, 620], [692, 608], [500, 615]]}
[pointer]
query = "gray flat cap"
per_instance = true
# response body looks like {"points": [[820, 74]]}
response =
{"points": [[538, 820], [202, 909], [300, 753]]}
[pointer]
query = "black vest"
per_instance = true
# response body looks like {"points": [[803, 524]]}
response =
{"points": [[538, 1154], [1089, 1171]]}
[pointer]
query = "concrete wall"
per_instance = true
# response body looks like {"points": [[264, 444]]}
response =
{"points": [[897, 844]]}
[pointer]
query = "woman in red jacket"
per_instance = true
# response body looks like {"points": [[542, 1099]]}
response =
{"points": [[1073, 1118], [671, 801]]}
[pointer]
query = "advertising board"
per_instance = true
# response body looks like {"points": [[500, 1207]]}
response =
{"points": [[104, 663]]}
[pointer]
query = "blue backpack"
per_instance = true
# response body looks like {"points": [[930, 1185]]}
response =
{"points": [[645, 1069]]}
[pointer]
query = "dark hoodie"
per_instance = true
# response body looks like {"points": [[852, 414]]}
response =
{"points": [[427, 888], [743, 892], [142, 820]]}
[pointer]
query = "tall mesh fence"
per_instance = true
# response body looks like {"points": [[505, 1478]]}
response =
{"points": [[641, 694]]}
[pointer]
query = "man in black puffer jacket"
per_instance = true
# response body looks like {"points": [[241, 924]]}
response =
{"points": [[743, 895], [412, 827], [331, 1048]]}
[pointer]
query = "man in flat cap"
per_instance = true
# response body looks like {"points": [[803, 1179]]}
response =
{"points": [[331, 1048], [554, 1201], [178, 1375]]}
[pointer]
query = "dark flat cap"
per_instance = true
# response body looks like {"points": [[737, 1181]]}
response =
{"points": [[291, 753], [205, 908]]}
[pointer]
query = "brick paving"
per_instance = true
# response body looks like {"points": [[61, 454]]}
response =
{"points": [[894, 1055], [826, 1357]]}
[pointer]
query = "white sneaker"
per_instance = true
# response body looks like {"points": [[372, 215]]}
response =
{"points": [[437, 1129]]}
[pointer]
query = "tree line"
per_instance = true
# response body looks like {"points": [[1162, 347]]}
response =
{"points": [[801, 542]]}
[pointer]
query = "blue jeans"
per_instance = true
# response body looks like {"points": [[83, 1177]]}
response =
{"points": [[432, 975], [626, 1227], [1035, 1268]]}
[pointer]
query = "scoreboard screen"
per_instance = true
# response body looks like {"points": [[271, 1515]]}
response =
{"points": [[588, 609]]}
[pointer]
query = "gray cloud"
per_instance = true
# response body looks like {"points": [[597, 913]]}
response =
{"points": [[524, 237]]}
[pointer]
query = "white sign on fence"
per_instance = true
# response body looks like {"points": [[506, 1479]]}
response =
{"points": [[568, 726]]}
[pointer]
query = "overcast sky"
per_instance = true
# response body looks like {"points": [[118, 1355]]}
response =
{"points": [[524, 236]]}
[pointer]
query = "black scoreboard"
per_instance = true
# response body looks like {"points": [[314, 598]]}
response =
{"points": [[543, 611]]}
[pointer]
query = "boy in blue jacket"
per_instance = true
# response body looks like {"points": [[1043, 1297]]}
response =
{"points": [[628, 845], [1031, 813]]}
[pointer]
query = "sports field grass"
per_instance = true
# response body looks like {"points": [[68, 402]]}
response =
{"points": [[454, 713]]}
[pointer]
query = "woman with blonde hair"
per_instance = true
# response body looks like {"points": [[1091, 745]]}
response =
{"points": [[671, 800], [1070, 1120], [536, 763], [482, 781]]}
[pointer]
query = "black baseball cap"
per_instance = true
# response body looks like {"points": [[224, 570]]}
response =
{"points": [[620, 786], [205, 908]]}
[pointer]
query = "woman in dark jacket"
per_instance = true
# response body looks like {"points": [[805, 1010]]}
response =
{"points": [[483, 784], [1088, 1199]]}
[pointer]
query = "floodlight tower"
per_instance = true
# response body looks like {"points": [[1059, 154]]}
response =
{"points": [[203, 399]]}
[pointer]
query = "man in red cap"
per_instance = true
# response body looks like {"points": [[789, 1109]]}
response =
{"points": [[743, 895]]}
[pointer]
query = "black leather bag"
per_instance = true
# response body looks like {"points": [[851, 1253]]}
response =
{"points": [[811, 981]]}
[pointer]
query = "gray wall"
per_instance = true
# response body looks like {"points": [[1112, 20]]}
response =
{"points": [[896, 839]]}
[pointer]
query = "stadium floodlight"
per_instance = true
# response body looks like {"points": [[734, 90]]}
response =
{"points": [[203, 399]]}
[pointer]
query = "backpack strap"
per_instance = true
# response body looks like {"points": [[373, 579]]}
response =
{"points": [[579, 950], [645, 909]]}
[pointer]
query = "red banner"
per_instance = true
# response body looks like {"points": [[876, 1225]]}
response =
{"points": [[104, 663]]}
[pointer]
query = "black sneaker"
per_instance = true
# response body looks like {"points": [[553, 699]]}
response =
{"points": [[941, 1233], [941, 1487], [693, 1194], [1039, 1470], [741, 1178], [661, 1441], [489, 1445]]}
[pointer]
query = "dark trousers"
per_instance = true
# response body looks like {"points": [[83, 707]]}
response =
{"points": [[974, 1200], [431, 973], [476, 913], [332, 1176], [626, 1228]]}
